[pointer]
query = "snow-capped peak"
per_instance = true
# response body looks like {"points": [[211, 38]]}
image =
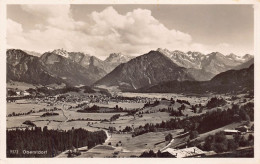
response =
{"points": [[240, 58], [61, 52], [117, 58], [247, 57], [233, 56]]}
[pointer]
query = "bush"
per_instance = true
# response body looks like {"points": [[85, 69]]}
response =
{"points": [[183, 102], [30, 123], [114, 117]]}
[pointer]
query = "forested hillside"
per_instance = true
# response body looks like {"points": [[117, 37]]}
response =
{"points": [[52, 141]]}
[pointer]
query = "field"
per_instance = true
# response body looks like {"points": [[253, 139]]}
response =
{"points": [[136, 121], [62, 121], [23, 106], [19, 85], [125, 145], [36, 118]]}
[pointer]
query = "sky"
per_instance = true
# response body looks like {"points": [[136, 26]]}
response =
{"points": [[131, 29]]}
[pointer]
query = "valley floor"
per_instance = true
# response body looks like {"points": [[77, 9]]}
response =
{"points": [[120, 142]]}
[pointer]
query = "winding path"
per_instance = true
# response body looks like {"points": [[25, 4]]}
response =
{"points": [[64, 155], [67, 118]]}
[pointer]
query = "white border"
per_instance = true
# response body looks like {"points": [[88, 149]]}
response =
{"points": [[3, 158]]}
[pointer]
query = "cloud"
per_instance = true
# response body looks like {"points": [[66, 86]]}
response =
{"points": [[14, 34], [136, 32], [54, 15], [100, 33]]}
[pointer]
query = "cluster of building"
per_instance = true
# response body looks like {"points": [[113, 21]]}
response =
{"points": [[18, 92]]}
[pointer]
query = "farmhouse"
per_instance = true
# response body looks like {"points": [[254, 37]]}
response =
{"points": [[231, 132], [18, 93], [186, 152], [24, 93]]}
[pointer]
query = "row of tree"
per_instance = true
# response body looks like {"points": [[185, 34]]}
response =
{"points": [[33, 111], [93, 109]]}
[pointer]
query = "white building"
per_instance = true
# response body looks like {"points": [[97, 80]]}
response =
{"points": [[186, 152], [231, 132]]}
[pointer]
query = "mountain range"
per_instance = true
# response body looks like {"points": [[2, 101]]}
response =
{"points": [[27, 68], [124, 72], [68, 70], [230, 81], [204, 67], [117, 58], [147, 69], [58, 66], [164, 65]]}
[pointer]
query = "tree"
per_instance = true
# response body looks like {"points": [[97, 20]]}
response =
{"points": [[182, 107], [194, 109], [208, 145], [69, 154], [148, 154], [232, 145], [168, 137], [220, 137], [250, 137], [220, 147], [45, 129], [11, 93], [194, 134], [243, 142], [215, 102], [243, 115], [159, 153], [252, 127]]}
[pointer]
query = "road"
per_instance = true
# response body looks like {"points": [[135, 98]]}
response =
{"points": [[67, 118], [170, 143], [64, 154]]}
